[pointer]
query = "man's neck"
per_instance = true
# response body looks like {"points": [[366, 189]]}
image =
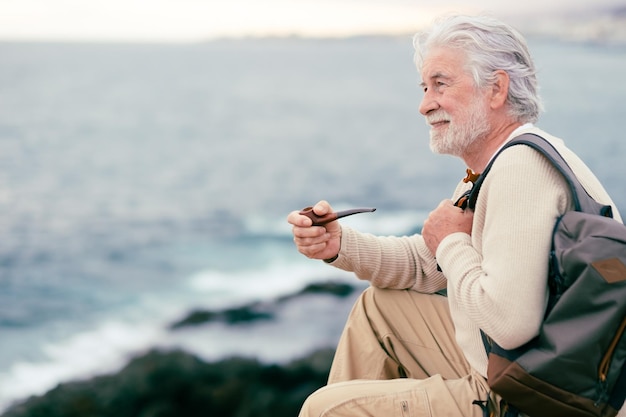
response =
{"points": [[480, 152]]}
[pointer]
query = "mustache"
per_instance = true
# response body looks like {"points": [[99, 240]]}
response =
{"points": [[438, 117]]}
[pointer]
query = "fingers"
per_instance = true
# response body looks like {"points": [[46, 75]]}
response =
{"points": [[312, 246], [315, 241], [296, 219], [308, 235], [448, 205], [322, 208], [443, 221]]}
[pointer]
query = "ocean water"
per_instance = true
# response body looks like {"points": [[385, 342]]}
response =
{"points": [[138, 182]]}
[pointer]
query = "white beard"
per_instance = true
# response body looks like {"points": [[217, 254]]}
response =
{"points": [[457, 137]]}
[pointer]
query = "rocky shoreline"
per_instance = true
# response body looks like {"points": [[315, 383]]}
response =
{"points": [[261, 310], [174, 383]]}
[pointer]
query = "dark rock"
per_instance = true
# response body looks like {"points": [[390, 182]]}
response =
{"points": [[175, 384], [238, 315], [338, 289], [261, 311], [245, 314]]}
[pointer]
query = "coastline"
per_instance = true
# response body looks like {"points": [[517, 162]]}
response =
{"points": [[172, 381], [175, 383]]}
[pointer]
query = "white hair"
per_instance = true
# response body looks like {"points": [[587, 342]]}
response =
{"points": [[489, 45]]}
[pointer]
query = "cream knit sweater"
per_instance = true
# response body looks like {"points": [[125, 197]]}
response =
{"points": [[496, 278]]}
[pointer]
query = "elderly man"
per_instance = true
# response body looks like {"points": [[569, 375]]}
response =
{"points": [[406, 350]]}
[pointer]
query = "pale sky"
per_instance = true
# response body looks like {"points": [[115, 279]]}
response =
{"points": [[197, 20]]}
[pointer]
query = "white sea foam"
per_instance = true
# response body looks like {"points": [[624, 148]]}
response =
{"points": [[278, 278], [107, 347], [101, 350]]}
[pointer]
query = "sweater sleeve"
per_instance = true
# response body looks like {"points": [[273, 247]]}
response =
{"points": [[498, 276], [390, 262]]}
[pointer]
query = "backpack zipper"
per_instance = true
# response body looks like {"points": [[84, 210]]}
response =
{"points": [[605, 364]]}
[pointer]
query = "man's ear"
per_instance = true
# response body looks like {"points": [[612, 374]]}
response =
{"points": [[499, 89]]}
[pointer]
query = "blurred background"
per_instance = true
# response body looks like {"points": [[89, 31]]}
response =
{"points": [[150, 152]]}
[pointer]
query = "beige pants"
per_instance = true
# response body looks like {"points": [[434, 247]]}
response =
{"points": [[397, 356]]}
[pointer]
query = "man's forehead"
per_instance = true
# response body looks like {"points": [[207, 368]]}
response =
{"points": [[442, 63]]}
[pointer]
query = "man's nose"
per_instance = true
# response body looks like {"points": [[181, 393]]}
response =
{"points": [[428, 104]]}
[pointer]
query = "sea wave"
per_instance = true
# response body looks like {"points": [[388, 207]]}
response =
{"points": [[107, 346]]}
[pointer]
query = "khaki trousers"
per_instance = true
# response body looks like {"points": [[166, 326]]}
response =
{"points": [[397, 356]]}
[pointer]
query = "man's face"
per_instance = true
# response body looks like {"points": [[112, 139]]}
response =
{"points": [[454, 108]]}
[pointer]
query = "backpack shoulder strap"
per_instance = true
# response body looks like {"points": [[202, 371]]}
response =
{"points": [[582, 200]]}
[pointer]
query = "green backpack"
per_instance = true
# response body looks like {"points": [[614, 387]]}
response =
{"points": [[575, 367]]}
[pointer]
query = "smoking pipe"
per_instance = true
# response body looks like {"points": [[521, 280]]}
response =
{"points": [[329, 217]]}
